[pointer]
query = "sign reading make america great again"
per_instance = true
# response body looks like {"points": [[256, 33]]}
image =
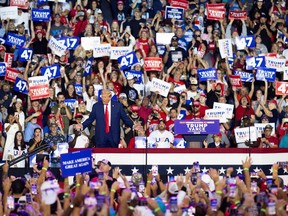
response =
{"points": [[196, 126]]}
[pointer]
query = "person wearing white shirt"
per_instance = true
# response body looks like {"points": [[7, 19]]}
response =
{"points": [[162, 137]]}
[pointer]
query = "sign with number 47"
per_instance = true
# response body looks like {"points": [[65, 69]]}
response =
{"points": [[127, 60], [281, 88]]}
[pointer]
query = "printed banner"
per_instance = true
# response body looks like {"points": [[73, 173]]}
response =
{"points": [[70, 103], [255, 62], [117, 52], [70, 42], [2, 68], [57, 47], [51, 72], [235, 81], [11, 74], [88, 67], [101, 50], [161, 86], [76, 162], [215, 13], [127, 60], [179, 143], [89, 43], [153, 64], [216, 114], [281, 88], [227, 107], [38, 87], [225, 48], [62, 148], [216, 5], [268, 74], [260, 128], [237, 15], [21, 86], [24, 4], [10, 12], [245, 76], [179, 89], [242, 134], [207, 74], [40, 15], [25, 54], [78, 89], [245, 41], [136, 74], [278, 64], [8, 58], [164, 38], [173, 12], [180, 4], [196, 126], [14, 39]]}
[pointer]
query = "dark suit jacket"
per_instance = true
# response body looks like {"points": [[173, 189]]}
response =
{"points": [[117, 113]]}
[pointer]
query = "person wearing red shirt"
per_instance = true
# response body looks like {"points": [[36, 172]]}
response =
{"points": [[243, 109], [195, 113], [203, 106], [268, 141], [170, 123], [81, 23], [145, 109], [144, 42]]}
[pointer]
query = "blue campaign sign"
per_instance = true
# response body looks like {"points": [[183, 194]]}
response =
{"points": [[76, 162], [78, 88], [172, 12], [14, 39], [254, 62], [268, 74], [207, 74], [2, 68], [41, 14], [196, 126], [249, 40], [127, 60], [179, 143], [51, 72], [25, 54], [88, 67], [245, 76], [136, 74], [70, 42], [21, 86], [70, 103], [40, 2]]}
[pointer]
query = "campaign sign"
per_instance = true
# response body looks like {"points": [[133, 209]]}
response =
{"points": [[57, 47], [38, 87], [161, 86], [51, 72], [152, 64], [11, 74], [196, 126], [235, 81], [14, 39], [216, 5], [278, 64], [89, 43], [179, 143], [238, 15], [207, 74], [21, 86], [76, 162], [127, 60], [225, 48], [62, 148], [136, 74], [245, 41], [8, 58], [215, 13], [70, 103], [281, 88], [117, 52], [78, 88], [25, 54], [10, 12], [260, 128], [2, 69], [245, 76], [216, 114], [179, 89], [70, 42], [227, 107], [39, 15], [255, 62], [164, 38], [242, 134], [180, 4], [20, 3], [88, 67], [173, 12], [40, 2], [140, 142], [101, 50], [268, 74]]}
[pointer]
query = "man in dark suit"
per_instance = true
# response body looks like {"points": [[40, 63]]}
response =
{"points": [[107, 114]]}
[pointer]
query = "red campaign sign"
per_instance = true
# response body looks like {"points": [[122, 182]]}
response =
{"points": [[281, 88], [24, 4], [217, 5], [235, 81], [8, 58], [180, 4], [11, 74], [215, 13], [153, 64], [233, 14], [39, 92]]}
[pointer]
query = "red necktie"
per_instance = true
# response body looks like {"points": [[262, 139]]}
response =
{"points": [[107, 119]]}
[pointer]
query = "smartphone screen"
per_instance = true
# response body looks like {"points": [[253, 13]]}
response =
{"points": [[34, 189], [10, 202], [173, 205], [194, 178], [213, 204], [196, 166], [28, 198], [154, 170], [100, 202], [100, 176]]}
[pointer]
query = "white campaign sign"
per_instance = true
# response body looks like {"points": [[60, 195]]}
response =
{"points": [[227, 107], [89, 43], [116, 52], [10, 12], [242, 134], [260, 128], [180, 89], [164, 38], [225, 48], [161, 86], [285, 73], [216, 114], [278, 64], [101, 50], [57, 47]]}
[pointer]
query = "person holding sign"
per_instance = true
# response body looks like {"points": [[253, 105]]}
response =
{"points": [[40, 39], [268, 141], [107, 114]]}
